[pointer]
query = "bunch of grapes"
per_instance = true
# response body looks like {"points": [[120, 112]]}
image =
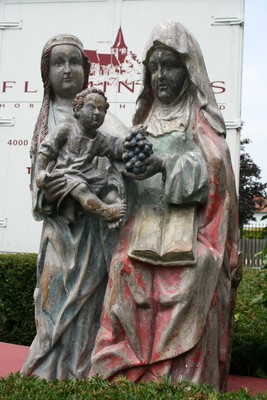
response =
{"points": [[137, 149]]}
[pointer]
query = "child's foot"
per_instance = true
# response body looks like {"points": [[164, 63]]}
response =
{"points": [[113, 212]]}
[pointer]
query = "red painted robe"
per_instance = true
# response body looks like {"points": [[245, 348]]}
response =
{"points": [[176, 321]]}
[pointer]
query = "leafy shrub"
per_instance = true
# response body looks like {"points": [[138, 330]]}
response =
{"points": [[262, 296], [253, 233], [16, 388], [2, 317], [17, 282], [250, 330]]}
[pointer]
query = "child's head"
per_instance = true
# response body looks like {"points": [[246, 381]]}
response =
{"points": [[90, 107]]}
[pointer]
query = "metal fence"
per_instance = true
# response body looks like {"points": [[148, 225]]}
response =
{"points": [[251, 243]]}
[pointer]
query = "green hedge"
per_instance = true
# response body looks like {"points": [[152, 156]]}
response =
{"points": [[253, 233], [249, 355], [16, 388], [17, 282]]}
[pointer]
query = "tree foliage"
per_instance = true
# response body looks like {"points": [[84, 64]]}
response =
{"points": [[250, 187]]}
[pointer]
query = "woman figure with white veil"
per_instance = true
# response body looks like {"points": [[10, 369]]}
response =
{"points": [[175, 320], [74, 253]]}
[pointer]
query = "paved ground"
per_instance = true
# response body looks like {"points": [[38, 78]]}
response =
{"points": [[12, 357]]}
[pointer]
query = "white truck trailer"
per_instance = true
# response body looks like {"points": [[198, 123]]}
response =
{"points": [[113, 33]]}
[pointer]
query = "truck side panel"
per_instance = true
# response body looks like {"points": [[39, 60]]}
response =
{"points": [[116, 68]]}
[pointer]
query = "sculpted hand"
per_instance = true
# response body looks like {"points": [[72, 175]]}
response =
{"points": [[54, 186], [154, 164]]}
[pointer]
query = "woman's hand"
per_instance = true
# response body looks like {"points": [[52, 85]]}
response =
{"points": [[54, 186], [154, 164]]}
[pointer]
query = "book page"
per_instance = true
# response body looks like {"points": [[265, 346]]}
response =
{"points": [[146, 235], [164, 237], [179, 233]]}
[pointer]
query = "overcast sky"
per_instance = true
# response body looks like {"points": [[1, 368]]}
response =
{"points": [[254, 91]]}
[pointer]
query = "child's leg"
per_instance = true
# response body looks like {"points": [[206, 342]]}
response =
{"points": [[92, 204]]}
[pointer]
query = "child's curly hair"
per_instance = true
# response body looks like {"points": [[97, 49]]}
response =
{"points": [[78, 101]]}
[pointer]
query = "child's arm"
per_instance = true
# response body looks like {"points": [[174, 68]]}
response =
{"points": [[111, 146], [48, 151], [43, 161]]}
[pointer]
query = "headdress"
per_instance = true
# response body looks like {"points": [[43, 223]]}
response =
{"points": [[176, 37], [63, 39]]}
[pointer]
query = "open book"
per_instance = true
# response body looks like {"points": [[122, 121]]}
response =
{"points": [[164, 236]]}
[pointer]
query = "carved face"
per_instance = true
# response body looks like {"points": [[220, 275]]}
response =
{"points": [[92, 114], [66, 72], [167, 72]]}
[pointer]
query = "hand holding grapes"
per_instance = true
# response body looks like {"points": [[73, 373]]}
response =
{"points": [[140, 162]]}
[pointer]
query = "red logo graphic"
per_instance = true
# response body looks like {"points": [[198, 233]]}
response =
{"points": [[120, 66]]}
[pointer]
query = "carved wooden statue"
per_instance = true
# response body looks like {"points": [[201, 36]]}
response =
{"points": [[76, 243], [168, 305], [169, 297]]}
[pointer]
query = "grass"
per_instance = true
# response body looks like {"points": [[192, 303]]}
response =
{"points": [[14, 387]]}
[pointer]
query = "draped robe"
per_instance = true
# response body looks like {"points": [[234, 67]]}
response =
{"points": [[176, 321]]}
